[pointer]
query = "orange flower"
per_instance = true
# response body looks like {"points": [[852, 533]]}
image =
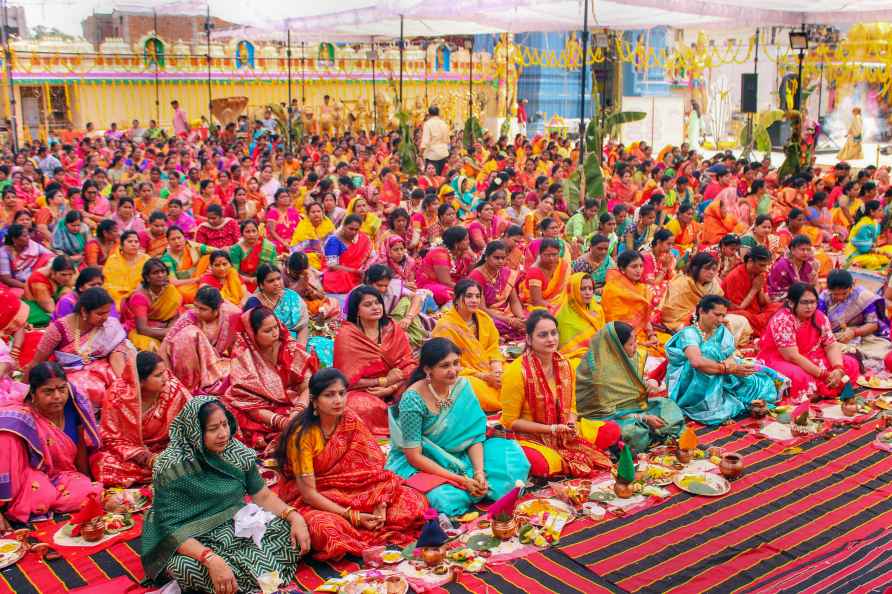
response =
{"points": [[688, 439]]}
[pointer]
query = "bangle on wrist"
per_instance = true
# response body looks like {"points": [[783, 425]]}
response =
{"points": [[287, 512], [205, 556], [382, 382]]}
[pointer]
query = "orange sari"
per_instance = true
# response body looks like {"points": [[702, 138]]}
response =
{"points": [[625, 301], [348, 469], [554, 289], [359, 357]]}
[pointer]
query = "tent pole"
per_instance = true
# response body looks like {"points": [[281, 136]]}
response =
{"points": [[207, 30], [157, 99], [471, 78], [303, 74], [290, 110], [402, 44], [374, 92], [582, 82], [7, 59]]}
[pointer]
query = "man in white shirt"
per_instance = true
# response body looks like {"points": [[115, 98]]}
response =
{"points": [[435, 140]]}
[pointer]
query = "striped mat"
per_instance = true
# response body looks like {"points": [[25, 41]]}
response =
{"points": [[818, 521]]}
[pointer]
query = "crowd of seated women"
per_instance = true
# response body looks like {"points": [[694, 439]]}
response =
{"points": [[222, 305]]}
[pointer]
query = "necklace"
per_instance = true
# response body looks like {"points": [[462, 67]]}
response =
{"points": [[327, 436], [83, 350], [442, 402], [704, 336]]}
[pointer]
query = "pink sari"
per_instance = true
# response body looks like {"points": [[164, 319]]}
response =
{"points": [[38, 474], [284, 224]]}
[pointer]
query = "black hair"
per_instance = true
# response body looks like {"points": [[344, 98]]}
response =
{"points": [[92, 299], [214, 209], [549, 243], [758, 254], [72, 216], [350, 219], [795, 294], [173, 229], [432, 352], [151, 265], [220, 254], [453, 236], [462, 286], [514, 231], [157, 216], [710, 302], [799, 240], [86, 275], [146, 363], [730, 239], [661, 235], [297, 262], [397, 213], [42, 373], [623, 331], [700, 261], [263, 271], [598, 238], [244, 224], [207, 409], [761, 219], [443, 209], [645, 210], [626, 258], [536, 317], [127, 235], [210, 296], [105, 226], [840, 279], [605, 218], [869, 207], [355, 299], [13, 232], [125, 200], [61, 264], [257, 316], [545, 223], [377, 272]]}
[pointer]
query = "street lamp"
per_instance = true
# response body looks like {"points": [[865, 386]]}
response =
{"points": [[799, 42]]}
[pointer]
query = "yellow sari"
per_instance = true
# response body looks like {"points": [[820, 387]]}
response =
{"points": [[308, 239], [554, 290], [625, 301], [162, 309], [578, 322], [371, 224], [121, 277], [477, 352]]}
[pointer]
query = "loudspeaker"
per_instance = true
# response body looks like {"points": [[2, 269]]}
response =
{"points": [[749, 91]]}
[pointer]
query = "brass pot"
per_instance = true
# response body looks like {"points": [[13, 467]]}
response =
{"points": [[849, 407], [623, 489], [758, 409], [504, 530], [93, 531], [731, 466], [432, 556], [684, 456]]}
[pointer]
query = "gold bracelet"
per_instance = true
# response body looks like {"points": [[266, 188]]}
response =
{"points": [[286, 512], [382, 381]]}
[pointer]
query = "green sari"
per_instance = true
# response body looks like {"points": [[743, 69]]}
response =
{"points": [[197, 494], [610, 387]]}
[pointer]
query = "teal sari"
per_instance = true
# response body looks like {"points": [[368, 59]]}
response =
{"points": [[706, 398], [292, 312], [445, 438]]}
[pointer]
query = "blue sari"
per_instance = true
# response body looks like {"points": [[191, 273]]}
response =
{"points": [[292, 312], [713, 399], [445, 438]]}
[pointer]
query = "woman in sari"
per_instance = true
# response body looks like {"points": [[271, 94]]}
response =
{"points": [[544, 285], [335, 477], [187, 262], [863, 247], [438, 432], [98, 249], [858, 318], [485, 228], [268, 378], [579, 319], [306, 281], [19, 257], [798, 265], [45, 435], [468, 326], [123, 269], [444, 266], [852, 150], [722, 217], [402, 304], [71, 235], [88, 278], [761, 233], [126, 217], [596, 261], [222, 276], [346, 255], [250, 252], [426, 221], [799, 344], [281, 221], [627, 299], [152, 309], [286, 304], [218, 231], [533, 221], [500, 300], [371, 224], [704, 378], [45, 287], [396, 257], [311, 233], [549, 228], [200, 482], [398, 226], [135, 422], [685, 230], [611, 388], [241, 208], [539, 404], [198, 347], [659, 265], [374, 354]]}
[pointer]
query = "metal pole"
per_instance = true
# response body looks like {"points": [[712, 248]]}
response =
{"points": [[402, 44], [157, 98], [820, 92], [303, 74], [755, 72], [14, 128], [798, 105], [507, 79], [290, 110], [207, 29], [426, 76], [374, 92], [582, 82], [471, 80]]}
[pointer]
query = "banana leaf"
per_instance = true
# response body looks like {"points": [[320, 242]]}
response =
{"points": [[406, 150], [614, 120], [473, 131]]}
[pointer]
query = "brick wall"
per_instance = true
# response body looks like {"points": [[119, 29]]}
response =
{"points": [[132, 27]]}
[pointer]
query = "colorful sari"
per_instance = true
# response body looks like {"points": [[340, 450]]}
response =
{"points": [[527, 394], [681, 299], [497, 296], [397, 303], [861, 248], [810, 338], [256, 384], [309, 239], [127, 431], [371, 224], [627, 302], [191, 264], [38, 316], [599, 274], [708, 398], [578, 322], [285, 224], [426, 277], [653, 267], [359, 357], [736, 287], [263, 252], [197, 494], [784, 274], [20, 265], [70, 243], [479, 347], [86, 363], [445, 438], [610, 386], [859, 308], [404, 270], [554, 289], [348, 469], [716, 225], [159, 312], [200, 360], [354, 255], [121, 276], [38, 472]]}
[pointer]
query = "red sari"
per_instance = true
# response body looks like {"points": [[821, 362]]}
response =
{"points": [[736, 286], [126, 431], [354, 255], [349, 470], [359, 357], [256, 384]]}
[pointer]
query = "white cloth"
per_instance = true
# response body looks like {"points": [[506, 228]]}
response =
{"points": [[251, 521], [435, 139], [171, 587]]}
